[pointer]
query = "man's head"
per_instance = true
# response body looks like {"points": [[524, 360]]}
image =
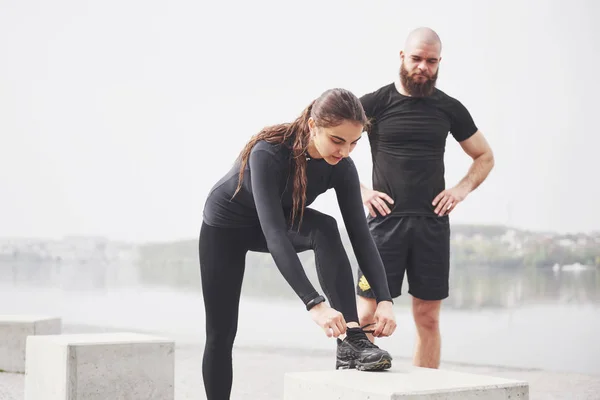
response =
{"points": [[420, 62]]}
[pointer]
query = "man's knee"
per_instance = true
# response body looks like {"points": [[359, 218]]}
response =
{"points": [[427, 314]]}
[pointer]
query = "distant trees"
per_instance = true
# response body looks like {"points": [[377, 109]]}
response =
{"points": [[176, 263]]}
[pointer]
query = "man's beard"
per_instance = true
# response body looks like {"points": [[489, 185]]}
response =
{"points": [[414, 88]]}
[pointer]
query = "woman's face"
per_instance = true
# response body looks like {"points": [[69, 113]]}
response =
{"points": [[335, 143]]}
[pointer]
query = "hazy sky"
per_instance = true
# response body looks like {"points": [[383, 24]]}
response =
{"points": [[116, 116]]}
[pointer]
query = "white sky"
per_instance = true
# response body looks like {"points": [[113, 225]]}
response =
{"points": [[117, 116]]}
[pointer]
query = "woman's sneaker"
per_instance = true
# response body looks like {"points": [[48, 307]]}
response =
{"points": [[357, 351]]}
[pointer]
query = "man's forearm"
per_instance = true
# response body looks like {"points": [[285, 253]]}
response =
{"points": [[478, 172]]}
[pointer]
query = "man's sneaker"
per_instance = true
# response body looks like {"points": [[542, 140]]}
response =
{"points": [[356, 351]]}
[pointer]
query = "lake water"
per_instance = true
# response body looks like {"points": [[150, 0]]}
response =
{"points": [[533, 318]]}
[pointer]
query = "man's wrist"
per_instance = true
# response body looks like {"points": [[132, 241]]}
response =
{"points": [[465, 186]]}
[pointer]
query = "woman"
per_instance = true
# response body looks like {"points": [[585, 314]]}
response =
{"points": [[261, 205]]}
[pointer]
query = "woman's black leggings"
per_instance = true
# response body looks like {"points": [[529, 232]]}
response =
{"points": [[222, 263]]}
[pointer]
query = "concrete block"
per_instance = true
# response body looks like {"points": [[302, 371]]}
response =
{"points": [[100, 366], [14, 330], [401, 384]]}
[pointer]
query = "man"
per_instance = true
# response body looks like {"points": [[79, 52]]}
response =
{"points": [[409, 205]]}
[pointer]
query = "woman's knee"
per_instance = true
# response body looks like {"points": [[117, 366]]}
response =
{"points": [[220, 340], [324, 228]]}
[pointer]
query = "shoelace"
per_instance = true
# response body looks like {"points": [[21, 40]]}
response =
{"points": [[358, 336]]}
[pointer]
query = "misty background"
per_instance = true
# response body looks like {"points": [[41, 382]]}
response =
{"points": [[117, 117]]}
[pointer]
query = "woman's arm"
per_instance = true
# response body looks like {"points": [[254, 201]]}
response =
{"points": [[347, 188], [265, 179]]}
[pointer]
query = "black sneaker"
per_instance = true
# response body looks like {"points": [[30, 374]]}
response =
{"points": [[356, 351]]}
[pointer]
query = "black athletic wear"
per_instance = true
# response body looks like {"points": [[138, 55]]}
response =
{"points": [[408, 140], [357, 351], [265, 200], [257, 219], [418, 246], [222, 264]]}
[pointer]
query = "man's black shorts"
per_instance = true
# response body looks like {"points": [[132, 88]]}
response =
{"points": [[417, 245]]}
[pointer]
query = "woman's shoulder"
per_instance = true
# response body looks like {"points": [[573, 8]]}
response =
{"points": [[347, 164], [345, 170], [275, 152], [266, 145]]}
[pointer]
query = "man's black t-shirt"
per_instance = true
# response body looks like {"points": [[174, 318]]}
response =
{"points": [[408, 139]]}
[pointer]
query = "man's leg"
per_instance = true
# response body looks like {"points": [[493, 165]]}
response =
{"points": [[428, 274], [427, 320]]}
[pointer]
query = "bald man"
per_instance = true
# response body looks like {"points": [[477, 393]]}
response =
{"points": [[409, 203]]}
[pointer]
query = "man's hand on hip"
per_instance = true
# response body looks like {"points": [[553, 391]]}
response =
{"points": [[375, 200], [447, 200]]}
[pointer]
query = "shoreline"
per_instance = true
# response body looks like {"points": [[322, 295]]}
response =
{"points": [[515, 337]]}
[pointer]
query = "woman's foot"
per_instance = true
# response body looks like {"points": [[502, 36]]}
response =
{"points": [[357, 351]]}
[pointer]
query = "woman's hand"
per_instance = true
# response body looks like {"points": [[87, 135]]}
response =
{"points": [[385, 320], [331, 320]]}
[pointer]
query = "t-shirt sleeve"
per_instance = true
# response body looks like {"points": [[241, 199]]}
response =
{"points": [[462, 125], [369, 102], [347, 188], [265, 177]]}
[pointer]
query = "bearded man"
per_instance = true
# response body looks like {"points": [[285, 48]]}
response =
{"points": [[409, 203]]}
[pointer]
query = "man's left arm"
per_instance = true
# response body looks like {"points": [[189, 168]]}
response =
{"points": [[480, 151]]}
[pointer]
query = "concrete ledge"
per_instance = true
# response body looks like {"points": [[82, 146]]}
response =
{"points": [[401, 384], [100, 366], [14, 330]]}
